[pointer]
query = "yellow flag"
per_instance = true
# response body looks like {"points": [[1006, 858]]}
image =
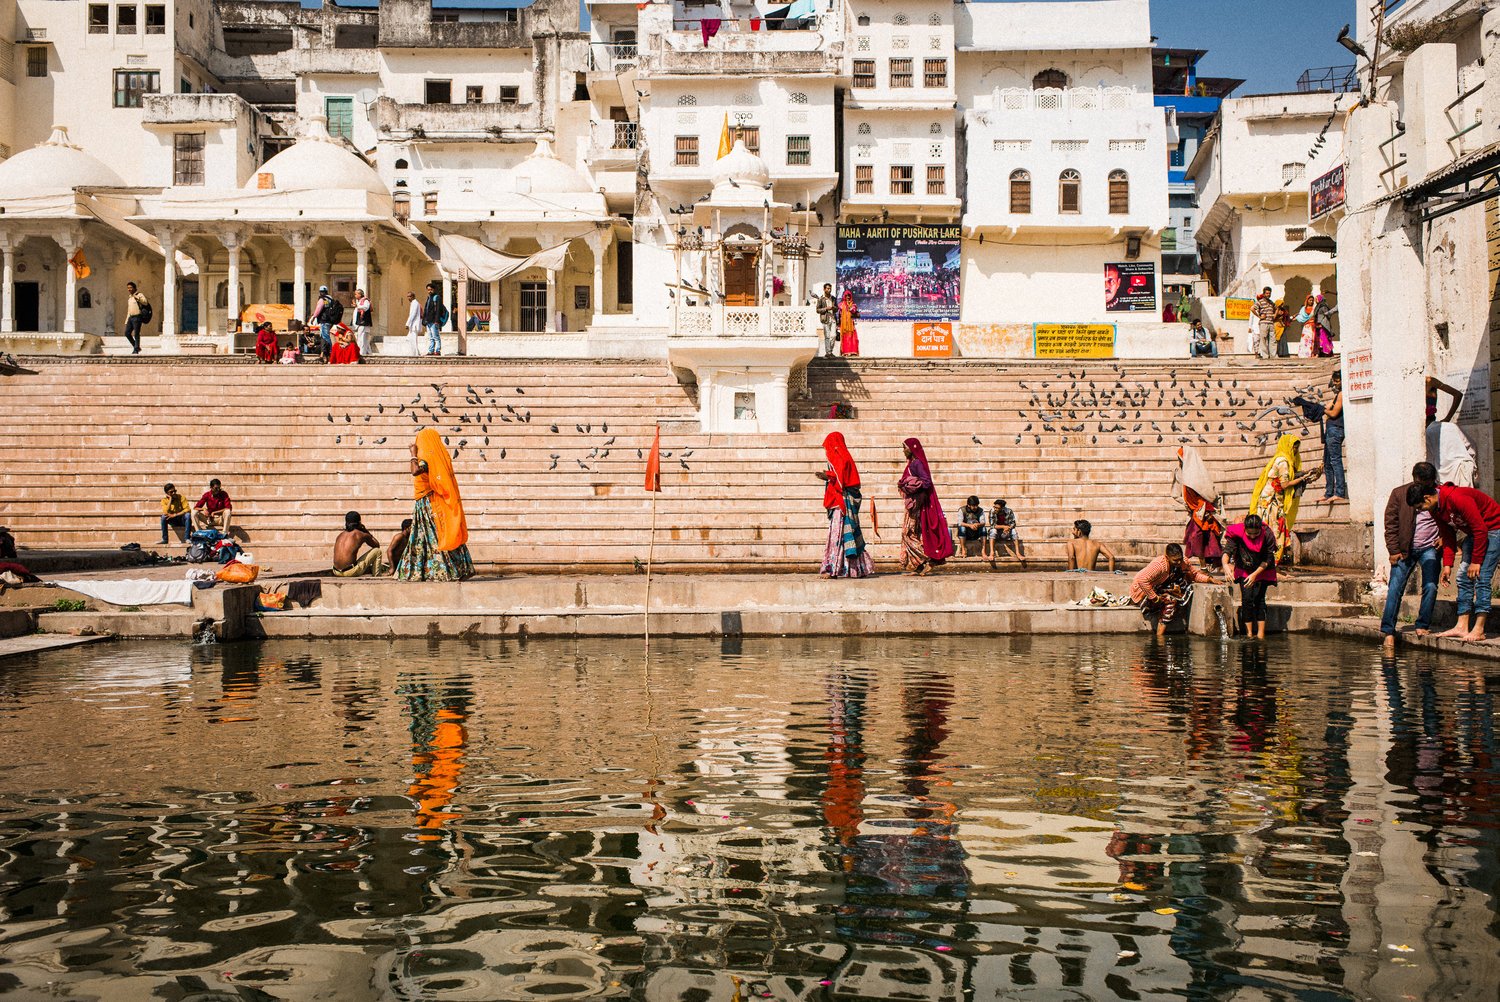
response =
{"points": [[80, 265], [724, 144]]}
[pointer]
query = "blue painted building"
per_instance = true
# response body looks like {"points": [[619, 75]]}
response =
{"points": [[1193, 101]]}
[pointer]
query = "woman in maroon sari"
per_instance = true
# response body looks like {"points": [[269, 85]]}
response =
{"points": [[265, 343], [925, 540]]}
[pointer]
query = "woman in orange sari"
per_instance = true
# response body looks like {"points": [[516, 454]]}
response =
{"points": [[848, 335], [436, 549]]}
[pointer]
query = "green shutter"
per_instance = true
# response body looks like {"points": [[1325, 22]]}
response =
{"points": [[340, 112]]}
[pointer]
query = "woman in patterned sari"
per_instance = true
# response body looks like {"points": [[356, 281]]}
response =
{"points": [[1279, 489], [845, 555], [436, 549], [925, 540]]}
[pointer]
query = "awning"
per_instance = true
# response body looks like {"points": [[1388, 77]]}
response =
{"points": [[1318, 243], [1466, 181], [484, 265]]}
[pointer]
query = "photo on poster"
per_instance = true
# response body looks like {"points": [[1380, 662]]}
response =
{"points": [[1130, 287], [899, 271]]}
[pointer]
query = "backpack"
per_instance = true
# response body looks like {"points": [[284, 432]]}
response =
{"points": [[144, 312], [333, 312], [200, 553], [443, 314]]}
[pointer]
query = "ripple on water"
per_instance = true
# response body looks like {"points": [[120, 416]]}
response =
{"points": [[1074, 817]]}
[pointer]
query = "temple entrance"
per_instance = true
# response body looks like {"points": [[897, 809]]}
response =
{"points": [[28, 300], [739, 278]]}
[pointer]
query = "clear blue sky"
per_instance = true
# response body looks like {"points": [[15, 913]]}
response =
{"points": [[1266, 43]]}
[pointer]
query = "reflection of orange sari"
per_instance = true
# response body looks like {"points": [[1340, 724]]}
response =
{"points": [[442, 491], [443, 756]]}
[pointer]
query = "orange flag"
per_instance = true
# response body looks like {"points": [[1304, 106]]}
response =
{"points": [[653, 464], [80, 264]]}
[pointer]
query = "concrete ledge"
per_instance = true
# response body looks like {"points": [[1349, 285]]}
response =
{"points": [[16, 646], [1368, 628]]}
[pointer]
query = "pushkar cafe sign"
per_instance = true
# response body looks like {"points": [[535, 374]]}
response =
{"points": [[1326, 193]]}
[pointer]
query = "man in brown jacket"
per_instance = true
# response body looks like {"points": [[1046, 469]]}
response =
{"points": [[1412, 538], [1265, 317]]}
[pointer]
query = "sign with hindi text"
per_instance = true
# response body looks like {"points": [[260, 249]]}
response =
{"points": [[932, 340], [1073, 340], [1238, 309], [1359, 374]]}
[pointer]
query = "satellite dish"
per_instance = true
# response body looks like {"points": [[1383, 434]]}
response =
{"points": [[366, 96]]}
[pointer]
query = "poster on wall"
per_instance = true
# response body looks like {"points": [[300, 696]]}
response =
{"points": [[1073, 340], [900, 271], [1130, 287]]}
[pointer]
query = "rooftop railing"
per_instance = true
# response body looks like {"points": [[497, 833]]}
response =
{"points": [[1329, 79]]}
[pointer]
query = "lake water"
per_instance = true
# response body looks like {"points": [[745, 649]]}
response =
{"points": [[937, 818]]}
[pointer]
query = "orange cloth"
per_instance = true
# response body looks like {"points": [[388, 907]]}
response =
{"points": [[447, 506]]}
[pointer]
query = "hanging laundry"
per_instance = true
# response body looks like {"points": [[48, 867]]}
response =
{"points": [[709, 27]]}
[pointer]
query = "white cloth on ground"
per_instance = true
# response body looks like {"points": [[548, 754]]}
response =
{"points": [[133, 591], [1449, 449]]}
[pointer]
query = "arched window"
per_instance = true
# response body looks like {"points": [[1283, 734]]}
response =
{"points": [[1119, 193], [1050, 78], [1020, 192], [1070, 192], [402, 164]]}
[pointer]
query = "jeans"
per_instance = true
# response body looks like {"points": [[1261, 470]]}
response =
{"points": [[434, 339], [1199, 350], [1333, 458], [133, 333], [180, 520], [830, 330], [1474, 596], [325, 334], [1429, 558]]}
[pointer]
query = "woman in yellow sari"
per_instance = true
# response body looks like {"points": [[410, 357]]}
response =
{"points": [[1278, 490], [436, 549]]}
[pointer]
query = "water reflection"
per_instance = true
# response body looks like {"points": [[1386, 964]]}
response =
{"points": [[809, 819]]}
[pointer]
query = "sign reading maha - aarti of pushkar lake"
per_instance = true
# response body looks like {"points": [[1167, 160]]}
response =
{"points": [[900, 271], [1073, 340]]}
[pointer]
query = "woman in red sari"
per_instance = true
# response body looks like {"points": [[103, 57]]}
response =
{"points": [[845, 555], [345, 350], [925, 540], [848, 336], [265, 343]]}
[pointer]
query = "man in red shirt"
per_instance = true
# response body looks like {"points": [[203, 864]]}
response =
{"points": [[1476, 514], [214, 508]]}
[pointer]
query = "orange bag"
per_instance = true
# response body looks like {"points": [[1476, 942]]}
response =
{"points": [[235, 572]]}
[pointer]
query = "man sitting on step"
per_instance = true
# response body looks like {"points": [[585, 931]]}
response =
{"points": [[347, 560], [1084, 551], [214, 509]]}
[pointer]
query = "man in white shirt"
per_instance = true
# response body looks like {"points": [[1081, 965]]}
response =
{"points": [[414, 324]]}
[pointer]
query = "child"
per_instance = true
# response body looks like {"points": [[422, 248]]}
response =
{"points": [[174, 512], [1003, 531], [398, 545]]}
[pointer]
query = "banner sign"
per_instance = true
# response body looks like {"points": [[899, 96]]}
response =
{"points": [[1326, 193], [1073, 340], [899, 271], [932, 340], [1130, 287], [1359, 374], [1238, 309]]}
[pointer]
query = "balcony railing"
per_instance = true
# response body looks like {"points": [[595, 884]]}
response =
{"points": [[1071, 99], [615, 136], [1331, 79], [745, 321], [613, 57]]}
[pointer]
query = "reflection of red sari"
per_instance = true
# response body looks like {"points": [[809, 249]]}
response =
{"points": [[265, 344], [848, 335]]}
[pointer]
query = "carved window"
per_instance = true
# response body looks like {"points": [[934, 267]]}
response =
{"points": [[1053, 78], [687, 151], [901, 179], [864, 179], [935, 19], [934, 72], [1020, 193], [797, 97], [798, 151], [1119, 193], [1070, 192], [901, 73], [687, 100], [900, 19], [864, 128], [936, 183], [864, 72], [187, 158]]}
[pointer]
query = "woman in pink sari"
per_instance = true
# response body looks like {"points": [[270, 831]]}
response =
{"points": [[925, 540]]}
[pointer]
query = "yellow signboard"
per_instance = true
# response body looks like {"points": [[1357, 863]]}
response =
{"points": [[1237, 309], [1073, 340]]}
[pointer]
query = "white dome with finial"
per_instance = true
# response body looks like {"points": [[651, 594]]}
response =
{"points": [[55, 167], [316, 161], [741, 167], [542, 173]]}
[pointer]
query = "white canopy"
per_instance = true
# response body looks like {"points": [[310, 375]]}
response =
{"points": [[485, 265]]}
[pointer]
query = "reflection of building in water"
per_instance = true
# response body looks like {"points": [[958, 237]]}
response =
{"points": [[499, 964]]}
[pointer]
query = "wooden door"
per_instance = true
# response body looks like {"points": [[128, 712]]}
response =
{"points": [[739, 280]]}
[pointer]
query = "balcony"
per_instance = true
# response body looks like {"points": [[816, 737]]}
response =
{"points": [[613, 143], [1072, 99], [1329, 79], [740, 47], [193, 109], [613, 57], [720, 321], [482, 121]]}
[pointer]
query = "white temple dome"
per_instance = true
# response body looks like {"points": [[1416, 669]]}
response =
{"points": [[55, 167], [542, 173], [317, 161], [740, 166]]}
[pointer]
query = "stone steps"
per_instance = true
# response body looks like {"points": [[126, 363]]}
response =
{"points": [[89, 442]]}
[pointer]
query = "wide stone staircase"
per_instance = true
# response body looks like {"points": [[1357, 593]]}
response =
{"points": [[551, 453]]}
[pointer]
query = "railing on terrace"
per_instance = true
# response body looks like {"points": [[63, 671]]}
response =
{"points": [[743, 24], [1330, 79], [613, 57], [615, 135], [745, 321], [1057, 99]]}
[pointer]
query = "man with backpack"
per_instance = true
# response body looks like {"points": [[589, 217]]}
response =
{"points": [[326, 313], [137, 315], [434, 318]]}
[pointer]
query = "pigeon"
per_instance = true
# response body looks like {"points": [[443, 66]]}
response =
{"points": [[330, 419], [414, 420], [581, 464], [348, 421], [605, 428], [380, 408], [975, 439], [554, 429], [611, 440], [685, 454], [462, 442], [521, 391], [579, 427], [553, 466], [337, 439], [455, 453], [380, 441], [502, 453], [684, 464], [639, 454], [367, 419]]}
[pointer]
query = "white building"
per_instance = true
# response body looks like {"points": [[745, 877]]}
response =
{"points": [[992, 166], [1253, 171], [1419, 239]]}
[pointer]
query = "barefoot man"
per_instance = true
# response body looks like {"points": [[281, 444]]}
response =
{"points": [[347, 561], [1471, 511], [1084, 551]]}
